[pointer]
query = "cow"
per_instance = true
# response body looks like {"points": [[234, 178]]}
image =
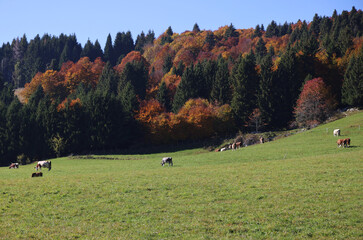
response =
{"points": [[336, 132], [14, 165], [167, 160], [45, 164], [347, 142], [236, 145], [340, 142], [37, 174]]}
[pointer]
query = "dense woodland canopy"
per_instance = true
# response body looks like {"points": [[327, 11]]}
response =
{"points": [[176, 87]]}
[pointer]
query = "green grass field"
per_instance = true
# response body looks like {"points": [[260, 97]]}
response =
{"points": [[298, 187]]}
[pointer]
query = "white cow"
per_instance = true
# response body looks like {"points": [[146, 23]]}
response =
{"points": [[336, 132], [46, 164]]}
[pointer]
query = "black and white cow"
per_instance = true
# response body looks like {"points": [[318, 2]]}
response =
{"points": [[45, 164], [166, 160]]}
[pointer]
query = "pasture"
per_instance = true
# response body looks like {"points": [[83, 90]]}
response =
{"points": [[298, 187]]}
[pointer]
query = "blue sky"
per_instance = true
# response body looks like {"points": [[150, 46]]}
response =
{"points": [[90, 19]]}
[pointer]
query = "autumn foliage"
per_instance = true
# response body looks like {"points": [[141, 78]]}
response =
{"points": [[315, 103], [59, 84], [198, 119]]}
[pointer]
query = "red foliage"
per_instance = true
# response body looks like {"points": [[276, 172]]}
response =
{"points": [[315, 103]]}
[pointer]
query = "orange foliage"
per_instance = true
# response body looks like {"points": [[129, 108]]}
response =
{"points": [[71, 103], [60, 84], [31, 87], [52, 83], [130, 57], [197, 119], [84, 71], [172, 81]]}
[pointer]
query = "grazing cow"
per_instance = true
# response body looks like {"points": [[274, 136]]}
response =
{"points": [[37, 174], [340, 142], [262, 140], [46, 164], [14, 165], [336, 132], [236, 145], [347, 142], [167, 160], [223, 149]]}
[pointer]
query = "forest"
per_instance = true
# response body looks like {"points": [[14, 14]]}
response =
{"points": [[59, 98]]}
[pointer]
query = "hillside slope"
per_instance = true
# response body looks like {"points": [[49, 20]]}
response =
{"points": [[298, 187]]}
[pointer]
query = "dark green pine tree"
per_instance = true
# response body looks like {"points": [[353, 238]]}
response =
{"points": [[245, 81], [167, 36], [221, 90], [257, 32], [65, 56], [33, 135], [108, 81], [106, 117], [287, 88], [150, 37], [97, 50], [272, 29], [185, 90], [136, 73], [168, 64], [92, 51], [127, 97], [260, 51], [3, 143], [266, 95], [196, 28], [209, 75], [200, 83], [230, 32], [108, 52], [87, 51], [344, 40], [309, 44], [118, 46], [14, 141], [352, 89], [163, 96], [140, 42]]}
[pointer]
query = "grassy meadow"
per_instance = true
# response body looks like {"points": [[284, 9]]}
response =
{"points": [[298, 187]]}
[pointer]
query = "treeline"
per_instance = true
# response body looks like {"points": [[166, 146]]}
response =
{"points": [[176, 87], [21, 60]]}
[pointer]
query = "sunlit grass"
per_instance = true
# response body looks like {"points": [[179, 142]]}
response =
{"points": [[298, 187]]}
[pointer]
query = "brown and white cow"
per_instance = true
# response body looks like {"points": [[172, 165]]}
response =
{"points": [[340, 142], [14, 165]]}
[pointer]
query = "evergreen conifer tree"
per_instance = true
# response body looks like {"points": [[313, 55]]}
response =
{"points": [[108, 52], [221, 90], [352, 89], [244, 98]]}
